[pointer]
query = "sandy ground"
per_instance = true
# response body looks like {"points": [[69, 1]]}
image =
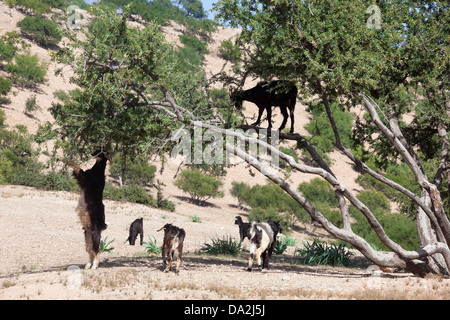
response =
{"points": [[42, 245]]}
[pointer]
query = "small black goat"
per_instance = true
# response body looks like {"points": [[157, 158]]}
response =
{"points": [[244, 228], [279, 93], [91, 210], [173, 240], [261, 238], [136, 228]]}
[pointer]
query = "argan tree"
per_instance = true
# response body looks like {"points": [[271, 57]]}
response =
{"points": [[131, 96]]}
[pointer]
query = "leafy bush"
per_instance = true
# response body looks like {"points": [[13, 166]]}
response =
{"points": [[132, 172], [239, 190], [31, 105], [322, 196], [226, 245], [268, 203], [5, 87], [199, 186], [133, 194], [398, 227], [27, 71], [41, 30], [320, 253]]}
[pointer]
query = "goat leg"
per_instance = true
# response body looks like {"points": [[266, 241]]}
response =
{"points": [[250, 262]]}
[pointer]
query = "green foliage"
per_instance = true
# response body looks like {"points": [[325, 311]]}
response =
{"points": [[104, 245], [161, 201], [219, 99], [398, 227], [322, 133], [321, 253], [129, 193], [120, 70], [5, 87], [198, 185], [132, 171], [45, 32], [268, 203], [227, 245], [38, 6], [239, 190], [322, 196], [31, 105], [280, 246], [229, 52], [193, 8], [195, 218], [26, 70], [151, 247]]}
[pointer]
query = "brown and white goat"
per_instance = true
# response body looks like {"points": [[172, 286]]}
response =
{"points": [[261, 239], [91, 210], [173, 240]]}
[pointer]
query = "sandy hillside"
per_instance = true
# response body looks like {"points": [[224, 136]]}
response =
{"points": [[42, 245]]}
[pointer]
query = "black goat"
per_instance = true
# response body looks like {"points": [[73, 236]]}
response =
{"points": [[261, 238], [91, 210], [136, 228], [173, 240], [279, 93], [244, 228]]}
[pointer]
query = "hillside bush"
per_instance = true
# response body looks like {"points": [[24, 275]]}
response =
{"points": [[132, 171], [5, 87], [40, 30], [27, 71], [199, 186], [398, 227], [322, 196], [268, 203]]}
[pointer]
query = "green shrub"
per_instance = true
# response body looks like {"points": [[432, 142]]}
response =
{"points": [[27, 71], [133, 172], [151, 247], [31, 105], [5, 87], [199, 186], [133, 194], [239, 190], [320, 253], [268, 203], [322, 196], [398, 227], [227, 245], [41, 30]]}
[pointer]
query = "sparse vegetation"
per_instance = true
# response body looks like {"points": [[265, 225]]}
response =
{"points": [[227, 246], [199, 186], [151, 247], [321, 253]]}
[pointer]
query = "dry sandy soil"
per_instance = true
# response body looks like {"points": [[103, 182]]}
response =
{"points": [[42, 245]]}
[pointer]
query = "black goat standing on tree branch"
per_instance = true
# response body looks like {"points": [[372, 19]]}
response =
{"points": [[265, 95]]}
